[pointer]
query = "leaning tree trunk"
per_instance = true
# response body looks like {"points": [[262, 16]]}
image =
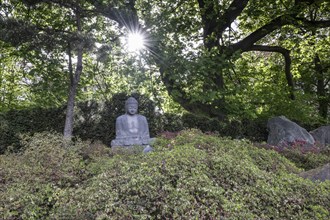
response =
{"points": [[321, 84], [321, 91], [74, 81]]}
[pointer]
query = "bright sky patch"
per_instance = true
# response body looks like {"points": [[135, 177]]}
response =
{"points": [[135, 42]]}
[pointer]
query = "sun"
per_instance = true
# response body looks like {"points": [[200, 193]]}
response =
{"points": [[135, 41]]}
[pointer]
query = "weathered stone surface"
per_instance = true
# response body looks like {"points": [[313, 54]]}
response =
{"points": [[131, 128], [321, 135], [147, 149], [320, 173], [283, 132]]}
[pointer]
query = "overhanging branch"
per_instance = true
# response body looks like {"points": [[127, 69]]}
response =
{"points": [[261, 32], [313, 24], [215, 24], [234, 10], [278, 22], [287, 58]]}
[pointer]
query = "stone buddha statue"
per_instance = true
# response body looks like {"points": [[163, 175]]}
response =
{"points": [[131, 128]]}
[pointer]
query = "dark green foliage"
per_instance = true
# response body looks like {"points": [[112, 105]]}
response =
{"points": [[307, 160], [172, 122], [253, 129], [93, 121], [96, 121], [16, 122], [31, 180], [200, 122], [193, 176]]}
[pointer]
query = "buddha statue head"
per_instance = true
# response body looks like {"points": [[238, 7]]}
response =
{"points": [[131, 106]]}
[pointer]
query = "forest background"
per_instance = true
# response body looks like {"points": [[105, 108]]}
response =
{"points": [[220, 66]]}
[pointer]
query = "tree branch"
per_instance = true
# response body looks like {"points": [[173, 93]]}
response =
{"points": [[125, 17], [214, 24], [260, 33], [314, 24], [287, 58], [194, 106], [276, 23], [209, 19], [234, 10]]}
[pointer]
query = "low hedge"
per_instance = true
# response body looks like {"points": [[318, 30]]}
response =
{"points": [[193, 176]]}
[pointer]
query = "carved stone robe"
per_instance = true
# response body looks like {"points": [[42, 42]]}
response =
{"points": [[131, 130]]}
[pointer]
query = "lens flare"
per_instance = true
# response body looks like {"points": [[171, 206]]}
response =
{"points": [[135, 42]]}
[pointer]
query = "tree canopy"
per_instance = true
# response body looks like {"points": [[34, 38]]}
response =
{"points": [[209, 51], [217, 58], [62, 50]]}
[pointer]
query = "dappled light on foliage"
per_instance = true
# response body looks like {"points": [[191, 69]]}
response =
{"points": [[220, 59]]}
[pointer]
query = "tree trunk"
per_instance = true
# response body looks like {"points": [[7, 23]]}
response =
{"points": [[321, 93], [74, 81]]}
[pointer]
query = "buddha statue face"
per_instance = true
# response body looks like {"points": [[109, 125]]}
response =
{"points": [[132, 109], [131, 106]]}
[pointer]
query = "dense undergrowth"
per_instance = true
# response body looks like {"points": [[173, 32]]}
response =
{"points": [[191, 176]]}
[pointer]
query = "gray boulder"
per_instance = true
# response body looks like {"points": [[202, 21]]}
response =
{"points": [[283, 132], [321, 135], [320, 173]]}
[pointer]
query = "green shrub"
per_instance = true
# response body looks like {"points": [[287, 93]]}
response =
{"points": [[197, 176], [32, 178], [192, 176], [307, 160], [16, 122], [303, 157]]}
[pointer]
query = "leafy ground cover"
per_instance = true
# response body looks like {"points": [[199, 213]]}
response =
{"points": [[189, 176]]}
